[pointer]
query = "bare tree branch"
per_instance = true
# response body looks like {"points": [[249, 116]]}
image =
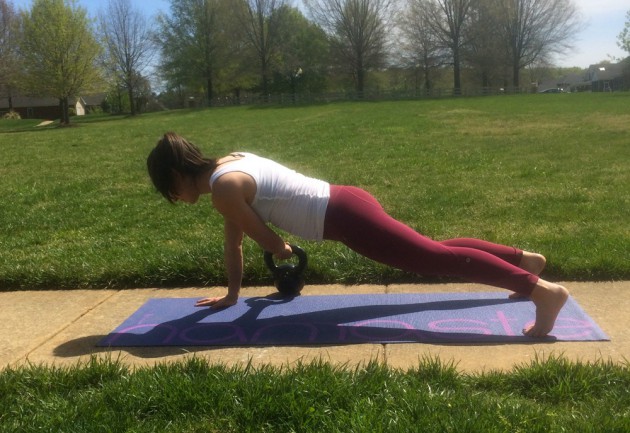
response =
{"points": [[358, 32], [126, 36], [534, 29]]}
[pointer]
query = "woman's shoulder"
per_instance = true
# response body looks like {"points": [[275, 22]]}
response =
{"points": [[232, 185]]}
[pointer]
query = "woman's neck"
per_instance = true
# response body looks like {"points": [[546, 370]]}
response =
{"points": [[202, 183]]}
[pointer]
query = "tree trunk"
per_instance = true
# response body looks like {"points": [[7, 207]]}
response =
{"points": [[132, 102], [209, 93], [457, 74], [360, 76], [516, 81], [120, 102], [360, 82], [65, 114], [265, 82]]}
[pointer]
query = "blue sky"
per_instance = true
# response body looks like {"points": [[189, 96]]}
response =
{"points": [[604, 20]]}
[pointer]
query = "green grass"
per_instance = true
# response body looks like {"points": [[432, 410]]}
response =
{"points": [[547, 173], [547, 396]]}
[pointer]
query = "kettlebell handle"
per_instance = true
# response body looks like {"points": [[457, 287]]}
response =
{"points": [[297, 251]]}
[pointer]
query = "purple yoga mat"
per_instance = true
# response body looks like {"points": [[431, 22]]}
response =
{"points": [[346, 319]]}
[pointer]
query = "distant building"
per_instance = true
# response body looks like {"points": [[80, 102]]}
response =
{"points": [[606, 77], [566, 83], [29, 107]]}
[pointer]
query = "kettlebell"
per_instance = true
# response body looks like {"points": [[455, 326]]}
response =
{"points": [[288, 277]]}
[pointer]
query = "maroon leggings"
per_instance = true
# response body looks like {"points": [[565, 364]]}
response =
{"points": [[356, 219]]}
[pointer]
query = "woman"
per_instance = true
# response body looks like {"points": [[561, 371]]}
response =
{"points": [[250, 191]]}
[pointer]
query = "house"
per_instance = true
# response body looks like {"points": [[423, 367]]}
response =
{"points": [[30, 107], [566, 83], [606, 77], [93, 102]]}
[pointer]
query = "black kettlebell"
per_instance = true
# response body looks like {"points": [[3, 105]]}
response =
{"points": [[288, 277]]}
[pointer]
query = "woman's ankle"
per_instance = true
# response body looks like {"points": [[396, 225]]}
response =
{"points": [[532, 262]]}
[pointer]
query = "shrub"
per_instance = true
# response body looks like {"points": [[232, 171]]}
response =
{"points": [[13, 115]]}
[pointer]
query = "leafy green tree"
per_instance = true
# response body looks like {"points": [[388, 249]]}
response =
{"points": [[623, 40], [198, 47], [303, 55], [261, 22], [9, 66], [58, 51]]}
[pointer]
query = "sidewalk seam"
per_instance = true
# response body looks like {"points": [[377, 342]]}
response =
{"points": [[69, 324]]}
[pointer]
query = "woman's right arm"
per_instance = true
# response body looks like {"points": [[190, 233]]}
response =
{"points": [[233, 256]]}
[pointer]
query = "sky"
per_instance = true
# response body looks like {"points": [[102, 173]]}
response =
{"points": [[604, 20]]}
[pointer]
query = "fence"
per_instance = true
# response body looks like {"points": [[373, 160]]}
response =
{"points": [[315, 98]]}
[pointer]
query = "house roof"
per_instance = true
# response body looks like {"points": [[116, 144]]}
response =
{"points": [[95, 99], [564, 81], [605, 71], [33, 101], [28, 101]]}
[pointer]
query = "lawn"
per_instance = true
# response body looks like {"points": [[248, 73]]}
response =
{"points": [[547, 173], [548, 396]]}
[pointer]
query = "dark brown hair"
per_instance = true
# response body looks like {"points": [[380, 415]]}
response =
{"points": [[173, 153]]}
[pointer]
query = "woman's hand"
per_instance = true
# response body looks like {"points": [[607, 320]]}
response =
{"points": [[218, 302], [286, 253]]}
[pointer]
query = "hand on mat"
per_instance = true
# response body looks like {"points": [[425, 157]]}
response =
{"points": [[217, 302]]}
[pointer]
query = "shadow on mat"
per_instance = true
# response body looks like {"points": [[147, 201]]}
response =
{"points": [[370, 324]]}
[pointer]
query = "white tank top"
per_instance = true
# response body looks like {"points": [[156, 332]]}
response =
{"points": [[287, 199]]}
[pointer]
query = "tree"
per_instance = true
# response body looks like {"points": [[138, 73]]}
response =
{"points": [[261, 23], [188, 43], [358, 31], [485, 51], [534, 29], [58, 51], [420, 45], [198, 45], [623, 40], [8, 50], [448, 20], [128, 46], [302, 54]]}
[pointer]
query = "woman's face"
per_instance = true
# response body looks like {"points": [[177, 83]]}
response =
{"points": [[184, 189]]}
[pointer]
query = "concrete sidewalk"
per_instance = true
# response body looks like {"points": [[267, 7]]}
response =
{"points": [[63, 327]]}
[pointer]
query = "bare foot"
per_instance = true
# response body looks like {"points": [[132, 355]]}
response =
{"points": [[532, 262], [549, 298]]}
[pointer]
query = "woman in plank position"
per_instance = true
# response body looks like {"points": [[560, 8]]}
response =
{"points": [[250, 191]]}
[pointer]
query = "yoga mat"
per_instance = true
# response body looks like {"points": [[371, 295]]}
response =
{"points": [[347, 319]]}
